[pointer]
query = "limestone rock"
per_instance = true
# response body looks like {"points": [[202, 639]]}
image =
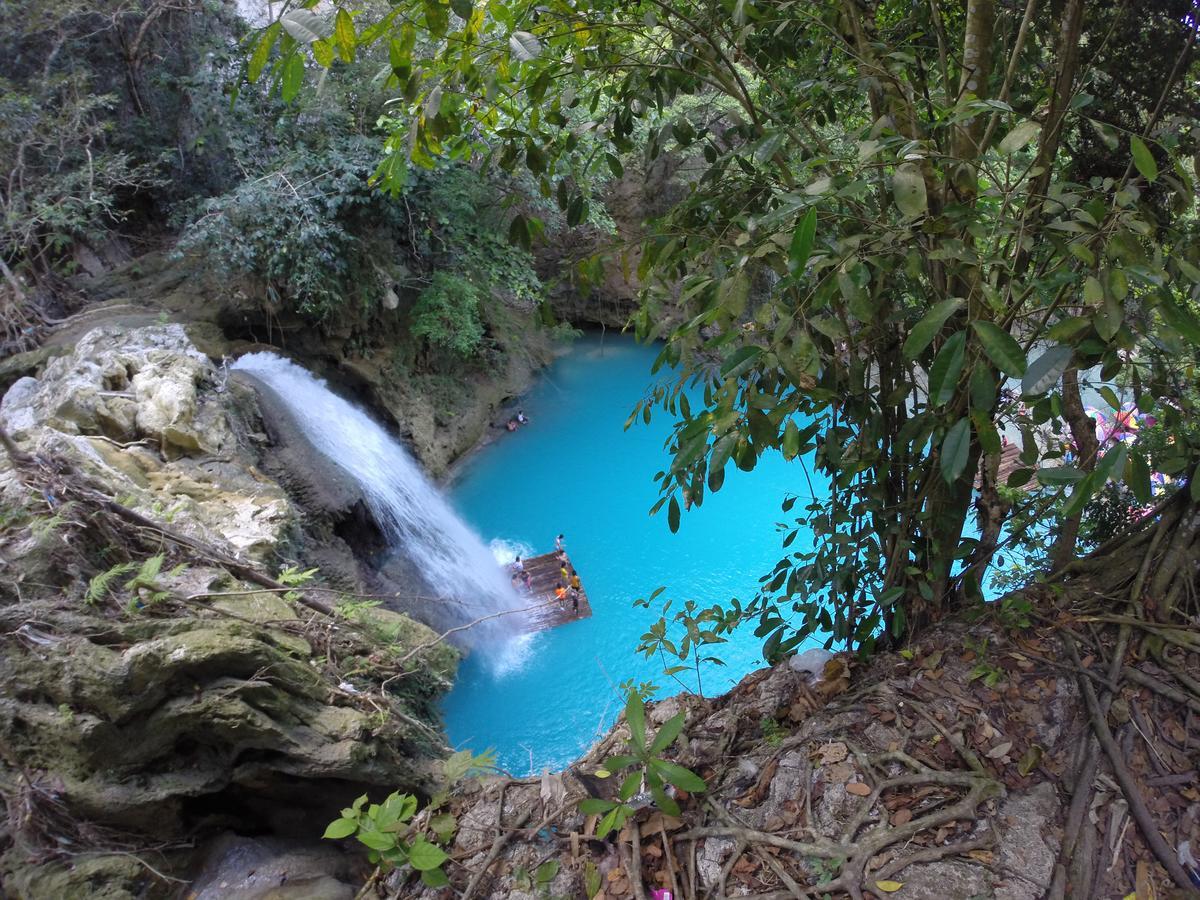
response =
{"points": [[139, 411]]}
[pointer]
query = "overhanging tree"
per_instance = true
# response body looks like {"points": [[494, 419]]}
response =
{"points": [[899, 243]]}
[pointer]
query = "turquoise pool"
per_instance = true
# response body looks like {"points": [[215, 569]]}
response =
{"points": [[575, 470]]}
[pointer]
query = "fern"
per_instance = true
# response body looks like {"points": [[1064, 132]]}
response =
{"points": [[292, 576], [147, 575], [100, 585]]}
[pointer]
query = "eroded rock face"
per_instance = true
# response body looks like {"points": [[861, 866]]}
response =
{"points": [[148, 417], [159, 716]]}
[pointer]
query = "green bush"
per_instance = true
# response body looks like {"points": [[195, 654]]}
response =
{"points": [[447, 315]]}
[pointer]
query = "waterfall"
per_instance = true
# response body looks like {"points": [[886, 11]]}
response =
{"points": [[450, 558]]}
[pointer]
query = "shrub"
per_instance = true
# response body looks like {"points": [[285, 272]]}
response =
{"points": [[447, 315]]}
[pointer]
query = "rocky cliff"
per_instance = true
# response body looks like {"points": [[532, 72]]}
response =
{"points": [[171, 672]]}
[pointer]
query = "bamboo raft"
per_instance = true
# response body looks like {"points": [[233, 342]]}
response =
{"points": [[551, 612]]}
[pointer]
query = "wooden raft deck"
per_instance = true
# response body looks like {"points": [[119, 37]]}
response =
{"points": [[543, 570]]}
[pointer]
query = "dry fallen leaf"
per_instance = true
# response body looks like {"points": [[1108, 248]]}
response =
{"points": [[987, 857], [889, 887], [999, 750], [858, 789], [832, 753], [902, 816]]}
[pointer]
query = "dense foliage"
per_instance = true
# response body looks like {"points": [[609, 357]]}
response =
{"points": [[902, 245]]}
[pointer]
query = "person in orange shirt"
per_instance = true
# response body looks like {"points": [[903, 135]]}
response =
{"points": [[560, 592]]}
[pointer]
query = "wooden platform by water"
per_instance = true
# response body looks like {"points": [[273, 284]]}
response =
{"points": [[551, 612]]}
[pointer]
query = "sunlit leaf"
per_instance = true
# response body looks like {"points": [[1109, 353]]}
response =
{"points": [[1143, 158], [305, 25], [908, 188], [1022, 134]]}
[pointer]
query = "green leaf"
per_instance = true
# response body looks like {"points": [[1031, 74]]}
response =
{"points": [[293, 78], [947, 366], [344, 34], [673, 515], [518, 232], [635, 717], [423, 855], [1001, 348], [463, 8], [1107, 134], [1138, 478], [437, 17], [1194, 484], [989, 437], [668, 733], [927, 329], [1054, 475], [802, 242], [1021, 135], [1019, 477], [613, 820], [304, 25], [791, 440], [340, 828], [630, 786], [1080, 496], [262, 52], [593, 806], [443, 825], [733, 293], [591, 879], [682, 778], [1043, 373], [955, 450], [740, 361], [524, 46], [908, 188], [1178, 317], [547, 871], [434, 878], [322, 52], [664, 801], [1143, 158], [377, 840]]}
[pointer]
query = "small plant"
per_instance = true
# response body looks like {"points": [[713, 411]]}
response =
{"points": [[539, 879], [825, 870], [773, 732], [702, 628], [101, 585], [1014, 611], [44, 526], [983, 669], [144, 586], [396, 835], [647, 769], [294, 576], [384, 829]]}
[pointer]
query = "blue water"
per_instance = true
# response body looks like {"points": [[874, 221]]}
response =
{"points": [[575, 470]]}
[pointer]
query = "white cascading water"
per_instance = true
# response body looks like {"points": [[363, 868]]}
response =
{"points": [[412, 512]]}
